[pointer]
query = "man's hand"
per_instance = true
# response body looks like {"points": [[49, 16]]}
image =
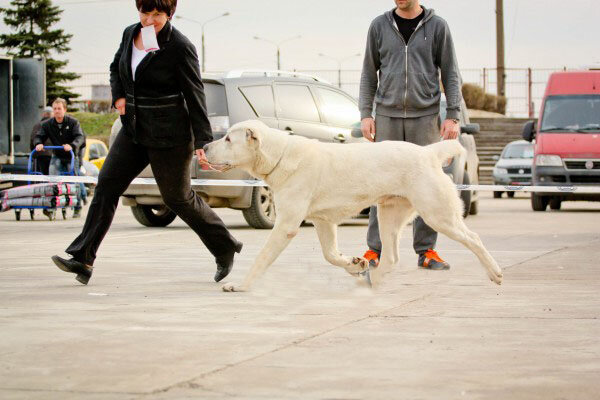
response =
{"points": [[367, 126], [39, 147], [450, 129], [120, 105], [67, 147]]}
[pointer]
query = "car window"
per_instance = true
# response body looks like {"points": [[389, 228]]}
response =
{"points": [[93, 152], [338, 109], [524, 150], [216, 100], [260, 99], [296, 102], [101, 151], [579, 113]]}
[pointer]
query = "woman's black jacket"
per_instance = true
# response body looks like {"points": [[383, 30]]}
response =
{"points": [[166, 106]]}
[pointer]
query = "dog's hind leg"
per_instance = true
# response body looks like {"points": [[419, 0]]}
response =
{"points": [[393, 214], [327, 232], [286, 227], [454, 227]]}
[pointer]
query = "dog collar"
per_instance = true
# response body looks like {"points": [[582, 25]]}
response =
{"points": [[280, 158]]}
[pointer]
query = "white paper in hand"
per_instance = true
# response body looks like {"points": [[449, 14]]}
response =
{"points": [[149, 39]]}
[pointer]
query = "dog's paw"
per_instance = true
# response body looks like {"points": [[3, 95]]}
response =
{"points": [[496, 278], [231, 287], [357, 266]]}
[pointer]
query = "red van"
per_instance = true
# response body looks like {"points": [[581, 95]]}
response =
{"points": [[567, 138]]}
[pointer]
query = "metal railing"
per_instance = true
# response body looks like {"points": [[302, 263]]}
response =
{"points": [[524, 86]]}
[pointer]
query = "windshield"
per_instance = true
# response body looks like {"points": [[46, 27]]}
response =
{"points": [[524, 150], [579, 113]]}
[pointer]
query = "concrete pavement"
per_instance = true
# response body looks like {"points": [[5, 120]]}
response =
{"points": [[153, 325]]}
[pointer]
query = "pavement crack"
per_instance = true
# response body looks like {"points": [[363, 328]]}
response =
{"points": [[189, 383], [548, 253]]}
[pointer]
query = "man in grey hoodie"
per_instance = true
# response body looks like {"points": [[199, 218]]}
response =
{"points": [[407, 50]]}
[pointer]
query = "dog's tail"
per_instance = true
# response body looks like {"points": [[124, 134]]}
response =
{"points": [[447, 149]]}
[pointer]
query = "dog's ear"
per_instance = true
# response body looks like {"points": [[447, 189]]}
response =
{"points": [[252, 136]]}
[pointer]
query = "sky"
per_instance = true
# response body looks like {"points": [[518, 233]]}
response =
{"points": [[538, 33]]}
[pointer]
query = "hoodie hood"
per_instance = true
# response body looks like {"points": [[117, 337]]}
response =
{"points": [[429, 13]]}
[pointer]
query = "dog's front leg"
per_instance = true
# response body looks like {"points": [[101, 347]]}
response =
{"points": [[327, 233], [286, 227]]}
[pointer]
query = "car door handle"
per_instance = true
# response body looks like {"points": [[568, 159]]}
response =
{"points": [[340, 138], [289, 130]]}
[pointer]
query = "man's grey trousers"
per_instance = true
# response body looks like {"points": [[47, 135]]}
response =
{"points": [[422, 131]]}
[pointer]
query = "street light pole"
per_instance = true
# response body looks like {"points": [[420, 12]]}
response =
{"points": [[278, 59], [339, 63], [500, 71], [278, 45], [203, 24]]}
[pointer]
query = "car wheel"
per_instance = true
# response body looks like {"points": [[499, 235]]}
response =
{"points": [[497, 195], [539, 203], [465, 195], [510, 194], [261, 214], [555, 203], [153, 216]]}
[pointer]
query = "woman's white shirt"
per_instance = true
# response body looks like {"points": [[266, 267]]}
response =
{"points": [[136, 58]]}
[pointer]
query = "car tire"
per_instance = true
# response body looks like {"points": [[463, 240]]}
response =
{"points": [[539, 203], [555, 203], [261, 214], [510, 194], [466, 195], [153, 216], [497, 195]]}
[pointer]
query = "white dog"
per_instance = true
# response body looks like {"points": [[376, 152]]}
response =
{"points": [[326, 182]]}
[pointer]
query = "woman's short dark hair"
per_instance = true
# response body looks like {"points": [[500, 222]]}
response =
{"points": [[166, 6]]}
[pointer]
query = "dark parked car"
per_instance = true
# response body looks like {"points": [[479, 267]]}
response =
{"points": [[296, 103], [513, 166]]}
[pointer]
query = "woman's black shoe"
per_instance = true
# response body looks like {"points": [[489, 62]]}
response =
{"points": [[84, 272], [225, 263]]}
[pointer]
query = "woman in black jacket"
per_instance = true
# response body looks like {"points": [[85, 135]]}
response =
{"points": [[160, 98]]}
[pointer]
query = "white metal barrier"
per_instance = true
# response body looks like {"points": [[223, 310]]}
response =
{"points": [[252, 182]]}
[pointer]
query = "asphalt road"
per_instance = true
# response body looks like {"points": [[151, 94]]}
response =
{"points": [[153, 325]]}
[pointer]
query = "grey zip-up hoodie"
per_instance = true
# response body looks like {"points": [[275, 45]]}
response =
{"points": [[408, 85]]}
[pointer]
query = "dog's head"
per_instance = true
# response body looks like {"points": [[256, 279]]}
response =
{"points": [[239, 147]]}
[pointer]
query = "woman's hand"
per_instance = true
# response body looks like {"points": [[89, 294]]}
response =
{"points": [[120, 105], [202, 160]]}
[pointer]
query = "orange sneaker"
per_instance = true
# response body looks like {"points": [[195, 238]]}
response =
{"points": [[372, 257], [431, 260]]}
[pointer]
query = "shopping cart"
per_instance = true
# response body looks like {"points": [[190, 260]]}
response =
{"points": [[49, 210]]}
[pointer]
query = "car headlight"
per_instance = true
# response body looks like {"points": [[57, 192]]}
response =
{"points": [[548, 160], [500, 171]]}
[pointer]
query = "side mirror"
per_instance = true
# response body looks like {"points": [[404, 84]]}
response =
{"points": [[495, 157], [529, 131], [471, 129], [356, 131]]}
